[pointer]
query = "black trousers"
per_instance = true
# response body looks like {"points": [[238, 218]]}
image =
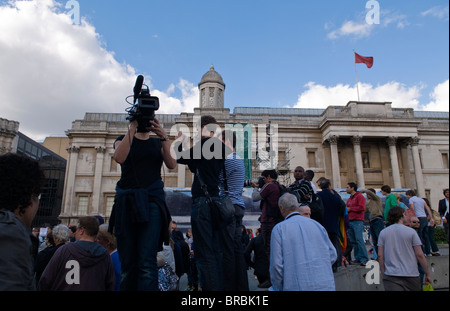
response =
{"points": [[235, 276]]}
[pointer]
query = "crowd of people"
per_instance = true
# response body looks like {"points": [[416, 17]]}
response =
{"points": [[305, 234]]}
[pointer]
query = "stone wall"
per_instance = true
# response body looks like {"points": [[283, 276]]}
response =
{"points": [[353, 278]]}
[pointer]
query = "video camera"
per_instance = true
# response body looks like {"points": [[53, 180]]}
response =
{"points": [[259, 182], [144, 110]]}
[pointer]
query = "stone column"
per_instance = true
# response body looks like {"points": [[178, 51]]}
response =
{"points": [[333, 140], [96, 191], [69, 196], [420, 184], [392, 142], [358, 162]]}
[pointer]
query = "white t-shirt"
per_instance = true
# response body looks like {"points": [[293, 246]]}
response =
{"points": [[399, 257], [419, 206]]}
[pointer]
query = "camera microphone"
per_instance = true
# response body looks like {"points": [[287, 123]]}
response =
{"points": [[138, 87]]}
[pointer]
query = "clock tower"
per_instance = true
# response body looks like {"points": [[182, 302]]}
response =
{"points": [[211, 89]]}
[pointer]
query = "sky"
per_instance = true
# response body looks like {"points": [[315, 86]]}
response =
{"points": [[56, 65]]}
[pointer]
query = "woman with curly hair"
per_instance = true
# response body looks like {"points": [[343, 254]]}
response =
{"points": [[21, 180]]}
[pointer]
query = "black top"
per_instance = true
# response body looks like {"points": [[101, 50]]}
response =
{"points": [[143, 164], [208, 157]]}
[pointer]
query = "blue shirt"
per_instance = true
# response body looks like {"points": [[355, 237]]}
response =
{"points": [[301, 256], [235, 171]]}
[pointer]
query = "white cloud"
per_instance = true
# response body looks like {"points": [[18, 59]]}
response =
{"points": [[440, 12], [353, 29], [173, 105], [399, 20], [361, 29], [53, 72], [440, 98], [320, 96]]}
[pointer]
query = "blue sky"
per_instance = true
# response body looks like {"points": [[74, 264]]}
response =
{"points": [[285, 53]]}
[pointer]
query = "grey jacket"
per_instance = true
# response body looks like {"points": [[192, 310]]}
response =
{"points": [[16, 258]]}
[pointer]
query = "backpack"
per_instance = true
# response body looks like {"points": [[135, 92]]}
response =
{"points": [[317, 208], [315, 204], [436, 217]]}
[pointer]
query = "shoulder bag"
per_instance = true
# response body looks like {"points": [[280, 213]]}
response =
{"points": [[222, 208]]}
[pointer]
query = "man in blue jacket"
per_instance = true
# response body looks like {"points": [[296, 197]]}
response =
{"points": [[301, 253], [333, 208]]}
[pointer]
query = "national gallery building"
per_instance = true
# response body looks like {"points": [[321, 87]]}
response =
{"points": [[369, 143]]}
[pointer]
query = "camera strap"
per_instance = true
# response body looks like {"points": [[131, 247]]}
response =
{"points": [[205, 187]]}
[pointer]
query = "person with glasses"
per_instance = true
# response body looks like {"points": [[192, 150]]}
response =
{"points": [[21, 179]]}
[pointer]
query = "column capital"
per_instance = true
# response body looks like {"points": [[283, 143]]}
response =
{"points": [[100, 149], [392, 140], [333, 139], [356, 139], [414, 141], [74, 149]]}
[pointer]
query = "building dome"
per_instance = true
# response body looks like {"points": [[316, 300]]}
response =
{"points": [[212, 76]]}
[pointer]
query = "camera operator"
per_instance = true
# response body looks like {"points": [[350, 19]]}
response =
{"points": [[140, 216], [269, 195]]}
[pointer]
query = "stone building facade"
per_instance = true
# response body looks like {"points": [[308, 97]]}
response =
{"points": [[53, 166], [8, 134], [369, 143]]}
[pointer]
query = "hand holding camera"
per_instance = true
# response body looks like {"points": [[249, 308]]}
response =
{"points": [[144, 110], [156, 128], [255, 183]]}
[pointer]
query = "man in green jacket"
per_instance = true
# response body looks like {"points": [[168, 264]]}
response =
{"points": [[391, 200]]}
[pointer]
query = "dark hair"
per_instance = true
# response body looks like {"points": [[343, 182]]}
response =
{"points": [[445, 190], [373, 190], [411, 193], [428, 203], [271, 173], [395, 214], [206, 120], [386, 189], [353, 185], [325, 183], [309, 174], [230, 135], [90, 225], [21, 178]]}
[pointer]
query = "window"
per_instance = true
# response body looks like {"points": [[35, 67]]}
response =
{"points": [[312, 159], [445, 159], [83, 204], [109, 205], [365, 159], [341, 163]]}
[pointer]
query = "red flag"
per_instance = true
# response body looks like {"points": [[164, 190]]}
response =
{"points": [[364, 60]]}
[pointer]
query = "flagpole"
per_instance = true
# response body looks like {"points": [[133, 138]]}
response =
{"points": [[356, 76]]}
